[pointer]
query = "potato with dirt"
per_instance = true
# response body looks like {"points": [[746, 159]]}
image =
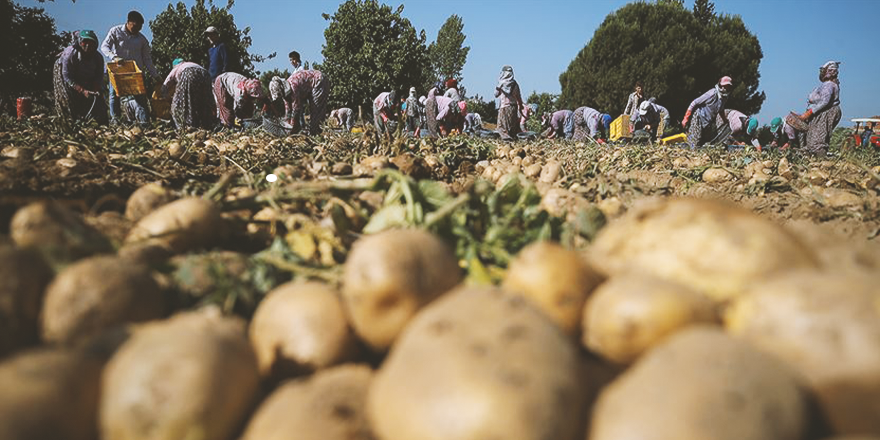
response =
{"points": [[633, 312], [713, 247], [193, 376], [183, 225], [57, 232], [98, 294], [479, 363], [147, 199], [702, 384], [328, 405], [301, 328], [24, 276], [558, 281], [389, 276], [826, 325]]}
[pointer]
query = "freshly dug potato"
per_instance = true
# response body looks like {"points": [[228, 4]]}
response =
{"points": [[50, 394], [180, 226], [479, 363], [557, 280], [827, 327], [23, 279], [96, 294], [327, 406], [193, 376], [702, 385], [389, 276], [60, 234], [300, 327], [710, 246], [147, 199], [632, 312], [838, 252]]}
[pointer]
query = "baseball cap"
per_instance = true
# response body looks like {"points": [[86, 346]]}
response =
{"points": [[726, 81], [211, 30]]}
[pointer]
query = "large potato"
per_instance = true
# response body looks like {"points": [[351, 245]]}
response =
{"points": [[57, 232], [326, 406], [827, 327], [96, 294], [23, 278], [558, 281], [180, 226], [389, 276], [193, 376], [300, 327], [702, 385], [479, 364], [633, 312], [711, 246], [147, 199]]}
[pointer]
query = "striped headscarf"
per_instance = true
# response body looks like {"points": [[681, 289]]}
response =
{"points": [[279, 88]]}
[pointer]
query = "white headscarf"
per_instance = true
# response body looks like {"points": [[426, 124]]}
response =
{"points": [[278, 88], [505, 81], [412, 92]]}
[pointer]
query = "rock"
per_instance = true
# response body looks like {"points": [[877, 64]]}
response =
{"points": [[717, 175], [550, 172], [784, 169], [341, 168]]}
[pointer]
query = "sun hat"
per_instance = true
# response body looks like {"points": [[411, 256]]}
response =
{"points": [[775, 124], [643, 108]]}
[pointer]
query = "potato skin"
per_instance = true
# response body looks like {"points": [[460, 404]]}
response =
{"points": [[389, 276], [701, 384], [23, 279], [826, 326], [180, 226], [558, 281], [328, 405], [192, 376], [713, 247], [479, 363], [57, 232], [147, 199], [97, 294], [630, 313], [300, 327]]}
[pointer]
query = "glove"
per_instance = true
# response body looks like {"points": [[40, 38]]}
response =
{"points": [[600, 141], [785, 147], [79, 89], [687, 117], [806, 116]]}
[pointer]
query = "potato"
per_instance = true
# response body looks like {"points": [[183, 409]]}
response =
{"points": [[479, 363], [57, 232], [827, 327], [180, 226], [147, 199], [96, 294], [631, 313], [389, 276], [710, 246], [193, 376], [326, 406], [50, 394], [702, 385], [23, 279], [300, 327], [558, 281]]}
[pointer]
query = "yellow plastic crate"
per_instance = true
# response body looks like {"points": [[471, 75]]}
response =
{"points": [[620, 128], [675, 139], [127, 78]]}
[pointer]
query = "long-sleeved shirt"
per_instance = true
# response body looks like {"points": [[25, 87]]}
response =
{"points": [[453, 94], [737, 121], [230, 82], [174, 76], [302, 83], [444, 105], [473, 122], [514, 98], [707, 106], [343, 115], [592, 118], [412, 107], [825, 96], [656, 113], [380, 106], [217, 60], [122, 44], [560, 122], [82, 69], [632, 104]]}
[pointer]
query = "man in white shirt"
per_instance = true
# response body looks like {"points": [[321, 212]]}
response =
{"points": [[126, 42]]}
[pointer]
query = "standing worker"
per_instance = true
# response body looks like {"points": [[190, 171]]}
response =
{"points": [[511, 101], [707, 107], [634, 102], [823, 109], [79, 79], [218, 61], [125, 42], [412, 113]]}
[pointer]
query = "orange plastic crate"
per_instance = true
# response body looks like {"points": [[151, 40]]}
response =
{"points": [[127, 78]]}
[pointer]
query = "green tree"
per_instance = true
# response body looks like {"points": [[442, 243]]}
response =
{"points": [[546, 104], [178, 33], [487, 110], [31, 46], [704, 11], [679, 3], [448, 53], [371, 48], [674, 56]]}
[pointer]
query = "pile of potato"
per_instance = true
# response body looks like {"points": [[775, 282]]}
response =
{"points": [[685, 319]]}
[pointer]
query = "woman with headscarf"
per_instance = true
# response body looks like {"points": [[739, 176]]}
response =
{"points": [[633, 102], [343, 118], [592, 122], [236, 96], [192, 104], [743, 128], [511, 101], [559, 124], [384, 110], [651, 117], [423, 117], [784, 135], [412, 113], [79, 78], [312, 87], [431, 110], [823, 109], [706, 109]]}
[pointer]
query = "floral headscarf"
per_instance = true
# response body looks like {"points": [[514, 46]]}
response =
{"points": [[252, 88], [279, 88]]}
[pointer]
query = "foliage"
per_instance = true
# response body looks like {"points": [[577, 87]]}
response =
{"points": [[31, 47], [546, 103], [449, 54], [678, 3], [178, 33], [370, 48], [674, 56], [704, 11], [487, 110]]}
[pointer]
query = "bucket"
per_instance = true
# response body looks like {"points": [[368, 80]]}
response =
{"points": [[23, 107]]}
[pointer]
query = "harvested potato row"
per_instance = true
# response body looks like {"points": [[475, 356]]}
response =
{"points": [[60, 234], [180, 226], [479, 363], [326, 406], [23, 279], [558, 281], [389, 276], [147, 199], [633, 312], [702, 385]]}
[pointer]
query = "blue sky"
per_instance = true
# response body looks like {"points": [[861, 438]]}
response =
{"points": [[540, 37]]}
